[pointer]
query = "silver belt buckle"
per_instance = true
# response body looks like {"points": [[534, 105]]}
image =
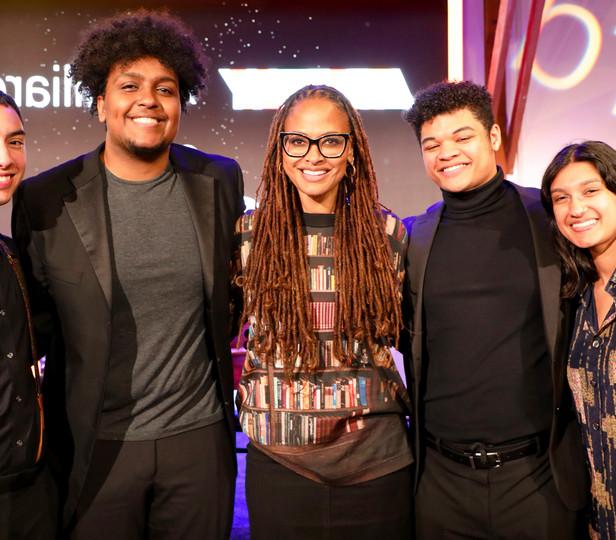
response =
{"points": [[490, 459]]}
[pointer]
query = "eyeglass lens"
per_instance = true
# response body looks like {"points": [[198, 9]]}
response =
{"points": [[329, 145]]}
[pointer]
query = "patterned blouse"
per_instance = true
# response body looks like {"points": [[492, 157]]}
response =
{"points": [[592, 376], [341, 424]]}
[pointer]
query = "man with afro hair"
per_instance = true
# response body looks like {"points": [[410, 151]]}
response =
{"points": [[499, 451], [126, 251]]}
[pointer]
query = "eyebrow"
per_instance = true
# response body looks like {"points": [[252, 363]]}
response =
{"points": [[136, 75], [453, 133], [15, 133], [582, 183], [322, 135]]}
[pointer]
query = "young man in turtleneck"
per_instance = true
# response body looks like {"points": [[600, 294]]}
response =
{"points": [[499, 454]]}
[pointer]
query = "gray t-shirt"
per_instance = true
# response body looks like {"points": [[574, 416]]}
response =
{"points": [[159, 381]]}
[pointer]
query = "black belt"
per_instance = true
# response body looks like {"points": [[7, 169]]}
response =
{"points": [[479, 455]]}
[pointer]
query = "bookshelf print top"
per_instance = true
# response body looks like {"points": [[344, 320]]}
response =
{"points": [[341, 424]]}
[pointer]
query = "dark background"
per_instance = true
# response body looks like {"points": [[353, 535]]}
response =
{"points": [[252, 34]]}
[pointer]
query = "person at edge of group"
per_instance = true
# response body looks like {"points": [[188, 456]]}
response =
{"points": [[320, 397], [579, 194], [127, 251], [499, 454], [27, 495]]}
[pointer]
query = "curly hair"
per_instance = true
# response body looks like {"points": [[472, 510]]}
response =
{"points": [[577, 264], [128, 36], [447, 97], [275, 280]]}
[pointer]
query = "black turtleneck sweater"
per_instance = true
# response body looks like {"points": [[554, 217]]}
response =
{"points": [[487, 371]]}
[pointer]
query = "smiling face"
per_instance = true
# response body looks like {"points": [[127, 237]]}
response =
{"points": [[458, 153], [315, 177], [584, 208], [141, 109], [12, 153]]}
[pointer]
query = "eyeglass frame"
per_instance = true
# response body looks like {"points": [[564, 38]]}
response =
{"points": [[345, 136]]}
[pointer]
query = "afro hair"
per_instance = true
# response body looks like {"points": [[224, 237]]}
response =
{"points": [[129, 36]]}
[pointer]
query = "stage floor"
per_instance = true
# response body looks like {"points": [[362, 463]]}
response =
{"points": [[241, 530]]}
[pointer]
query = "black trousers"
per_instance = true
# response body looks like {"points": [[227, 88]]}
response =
{"points": [[283, 505], [179, 487], [516, 501], [30, 511]]}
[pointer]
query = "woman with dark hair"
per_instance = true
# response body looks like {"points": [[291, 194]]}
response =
{"points": [[320, 397], [579, 193]]}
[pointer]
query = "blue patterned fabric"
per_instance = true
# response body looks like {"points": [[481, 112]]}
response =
{"points": [[592, 376]]}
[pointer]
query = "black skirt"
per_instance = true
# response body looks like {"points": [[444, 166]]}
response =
{"points": [[284, 505]]}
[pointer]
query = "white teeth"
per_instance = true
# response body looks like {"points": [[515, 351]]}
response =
{"points": [[583, 224], [314, 173], [145, 121], [454, 167]]}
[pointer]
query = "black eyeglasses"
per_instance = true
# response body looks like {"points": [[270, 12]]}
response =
{"points": [[297, 145]]}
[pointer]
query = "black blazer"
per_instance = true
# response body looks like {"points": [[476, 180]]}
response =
{"points": [[20, 417], [60, 224], [566, 450]]}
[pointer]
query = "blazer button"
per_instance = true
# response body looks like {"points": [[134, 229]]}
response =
{"points": [[9, 355], [19, 443]]}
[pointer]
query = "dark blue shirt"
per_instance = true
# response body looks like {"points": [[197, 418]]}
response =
{"points": [[592, 376]]}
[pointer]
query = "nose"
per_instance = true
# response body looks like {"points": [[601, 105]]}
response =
{"points": [[447, 150], [577, 207], [6, 159], [314, 154], [148, 97]]}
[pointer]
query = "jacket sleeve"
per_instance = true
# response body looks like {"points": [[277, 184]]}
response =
{"points": [[40, 301], [236, 294]]}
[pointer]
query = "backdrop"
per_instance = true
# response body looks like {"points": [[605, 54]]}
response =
{"points": [[36, 44]]}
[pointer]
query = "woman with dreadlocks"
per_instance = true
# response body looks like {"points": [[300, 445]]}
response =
{"points": [[320, 397]]}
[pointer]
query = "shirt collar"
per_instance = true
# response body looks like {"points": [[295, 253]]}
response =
{"points": [[610, 288]]}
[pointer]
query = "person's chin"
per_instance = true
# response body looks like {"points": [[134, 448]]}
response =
{"points": [[148, 152], [454, 187]]}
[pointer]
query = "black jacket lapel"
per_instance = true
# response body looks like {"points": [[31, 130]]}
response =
{"points": [[421, 237], [548, 265], [86, 208]]}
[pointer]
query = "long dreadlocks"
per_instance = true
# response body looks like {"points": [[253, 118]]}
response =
{"points": [[275, 280]]}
